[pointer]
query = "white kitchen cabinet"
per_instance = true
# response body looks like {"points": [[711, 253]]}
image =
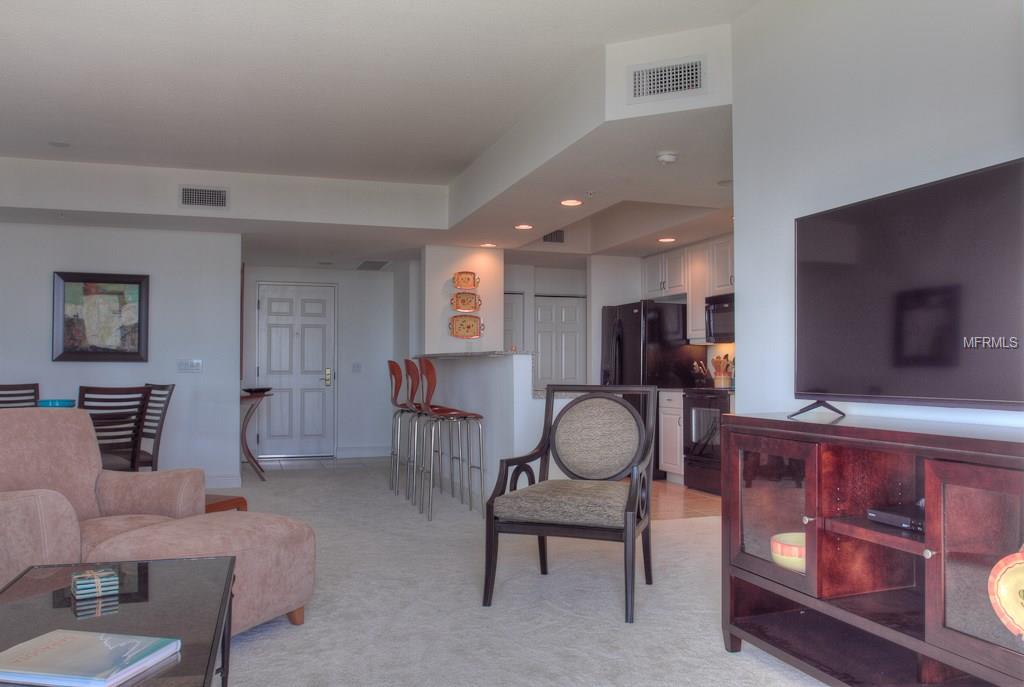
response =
{"points": [[665, 274], [698, 267], [722, 279], [670, 427], [654, 276]]}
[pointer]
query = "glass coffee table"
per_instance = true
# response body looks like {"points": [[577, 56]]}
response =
{"points": [[183, 598]]}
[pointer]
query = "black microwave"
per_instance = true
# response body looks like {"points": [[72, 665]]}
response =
{"points": [[718, 318]]}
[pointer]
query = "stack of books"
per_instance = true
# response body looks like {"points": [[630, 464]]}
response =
{"points": [[95, 607], [92, 583], [69, 658]]}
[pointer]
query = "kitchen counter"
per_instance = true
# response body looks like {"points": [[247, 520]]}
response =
{"points": [[469, 354]]}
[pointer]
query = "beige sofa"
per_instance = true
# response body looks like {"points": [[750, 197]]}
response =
{"points": [[57, 505]]}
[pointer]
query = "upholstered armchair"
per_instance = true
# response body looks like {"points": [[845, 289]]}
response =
{"points": [[57, 505], [598, 439]]}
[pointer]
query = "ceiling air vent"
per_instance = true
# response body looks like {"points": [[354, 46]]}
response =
{"points": [[666, 79], [203, 196], [557, 236], [372, 265]]}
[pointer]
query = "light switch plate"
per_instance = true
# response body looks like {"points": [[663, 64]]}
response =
{"points": [[190, 365]]}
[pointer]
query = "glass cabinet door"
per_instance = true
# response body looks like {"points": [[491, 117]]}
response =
{"points": [[773, 507], [974, 519]]}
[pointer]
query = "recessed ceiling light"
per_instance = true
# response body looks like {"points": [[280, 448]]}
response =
{"points": [[488, 245], [572, 203], [667, 157], [524, 227], [667, 239], [59, 144]]}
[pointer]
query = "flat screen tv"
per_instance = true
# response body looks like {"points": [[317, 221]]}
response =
{"points": [[916, 296]]}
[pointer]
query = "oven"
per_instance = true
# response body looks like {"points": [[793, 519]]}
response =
{"points": [[702, 447]]}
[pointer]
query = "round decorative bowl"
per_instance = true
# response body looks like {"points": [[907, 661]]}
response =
{"points": [[789, 551], [1006, 592], [56, 403]]}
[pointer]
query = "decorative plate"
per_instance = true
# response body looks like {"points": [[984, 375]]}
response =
{"points": [[1006, 592], [465, 280], [466, 301], [465, 326]]}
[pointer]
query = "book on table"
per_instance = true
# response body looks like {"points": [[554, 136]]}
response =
{"points": [[71, 658]]}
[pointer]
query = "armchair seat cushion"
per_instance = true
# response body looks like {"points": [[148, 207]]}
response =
{"points": [[95, 531], [566, 502]]}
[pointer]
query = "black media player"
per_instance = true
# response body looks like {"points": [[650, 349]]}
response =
{"points": [[906, 517]]}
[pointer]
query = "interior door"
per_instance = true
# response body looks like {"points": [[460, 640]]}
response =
{"points": [[296, 358], [514, 339], [560, 351]]}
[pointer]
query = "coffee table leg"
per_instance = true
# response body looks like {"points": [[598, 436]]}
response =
{"points": [[225, 645]]}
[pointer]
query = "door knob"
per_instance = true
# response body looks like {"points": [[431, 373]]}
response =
{"points": [[807, 520], [326, 379]]}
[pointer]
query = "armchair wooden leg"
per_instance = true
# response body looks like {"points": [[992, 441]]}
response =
{"points": [[630, 562], [298, 616], [645, 539], [542, 546], [490, 556]]}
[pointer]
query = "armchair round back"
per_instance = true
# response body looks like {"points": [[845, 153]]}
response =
{"points": [[597, 436]]}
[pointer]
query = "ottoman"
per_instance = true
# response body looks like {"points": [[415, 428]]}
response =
{"points": [[275, 558]]}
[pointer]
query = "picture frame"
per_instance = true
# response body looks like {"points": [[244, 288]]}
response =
{"points": [[926, 325], [100, 317]]}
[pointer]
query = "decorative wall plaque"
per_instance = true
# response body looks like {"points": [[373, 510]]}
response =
{"points": [[465, 326], [466, 301], [465, 280]]}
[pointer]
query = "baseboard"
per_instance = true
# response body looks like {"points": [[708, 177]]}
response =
{"points": [[362, 451], [673, 478]]}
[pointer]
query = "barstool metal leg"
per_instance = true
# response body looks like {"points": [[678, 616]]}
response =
{"points": [[462, 460]]}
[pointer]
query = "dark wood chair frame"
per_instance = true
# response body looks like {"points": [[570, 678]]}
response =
{"points": [[19, 395], [636, 517], [114, 414], [153, 423]]}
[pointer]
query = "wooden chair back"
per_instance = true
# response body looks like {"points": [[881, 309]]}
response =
{"points": [[395, 373], [118, 416], [412, 380], [156, 414], [429, 379], [19, 395]]}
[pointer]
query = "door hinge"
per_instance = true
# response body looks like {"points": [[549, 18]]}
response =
{"points": [[257, 371], [257, 437], [257, 303]]}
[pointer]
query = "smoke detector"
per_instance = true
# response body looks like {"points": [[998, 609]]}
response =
{"points": [[667, 157]]}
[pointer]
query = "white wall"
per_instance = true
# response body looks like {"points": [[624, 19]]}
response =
{"points": [[439, 263], [193, 292], [365, 339], [844, 100], [408, 310], [711, 43], [611, 280]]}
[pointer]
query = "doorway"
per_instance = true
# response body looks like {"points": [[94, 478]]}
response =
{"points": [[560, 341], [296, 357]]}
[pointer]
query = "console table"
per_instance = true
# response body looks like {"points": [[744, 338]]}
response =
{"points": [[871, 604], [251, 402]]}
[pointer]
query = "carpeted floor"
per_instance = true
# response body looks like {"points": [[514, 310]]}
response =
{"points": [[398, 601]]}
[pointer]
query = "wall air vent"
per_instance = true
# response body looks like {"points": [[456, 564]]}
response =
{"points": [[203, 196], [372, 265], [557, 236], [666, 79]]}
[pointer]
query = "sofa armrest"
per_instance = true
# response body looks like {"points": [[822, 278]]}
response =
{"points": [[39, 527], [174, 493]]}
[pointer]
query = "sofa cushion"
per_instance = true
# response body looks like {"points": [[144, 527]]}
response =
{"points": [[566, 502], [95, 531], [275, 557], [51, 448]]}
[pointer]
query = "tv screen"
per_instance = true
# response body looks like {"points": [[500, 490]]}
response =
{"points": [[916, 296]]}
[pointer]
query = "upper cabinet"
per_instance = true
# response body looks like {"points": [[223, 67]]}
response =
{"points": [[722, 275], [665, 274], [698, 266]]}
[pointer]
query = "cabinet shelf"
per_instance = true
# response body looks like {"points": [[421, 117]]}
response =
{"points": [[901, 610], [883, 535]]}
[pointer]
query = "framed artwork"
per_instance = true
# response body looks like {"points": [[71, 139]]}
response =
{"points": [[927, 323], [100, 317]]}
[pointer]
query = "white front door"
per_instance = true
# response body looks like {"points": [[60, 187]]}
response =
{"points": [[296, 358], [560, 349]]}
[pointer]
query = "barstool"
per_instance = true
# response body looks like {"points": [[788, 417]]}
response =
{"points": [[418, 424], [402, 410], [443, 420]]}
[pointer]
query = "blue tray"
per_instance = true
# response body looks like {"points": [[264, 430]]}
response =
{"points": [[57, 403]]}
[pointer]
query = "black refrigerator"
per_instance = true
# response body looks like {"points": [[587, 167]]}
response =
{"points": [[645, 343]]}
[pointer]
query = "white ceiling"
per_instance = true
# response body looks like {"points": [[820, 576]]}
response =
{"points": [[384, 89]]}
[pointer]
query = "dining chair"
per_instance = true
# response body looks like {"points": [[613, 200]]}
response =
{"points": [[597, 440], [118, 416], [153, 425], [19, 395]]}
